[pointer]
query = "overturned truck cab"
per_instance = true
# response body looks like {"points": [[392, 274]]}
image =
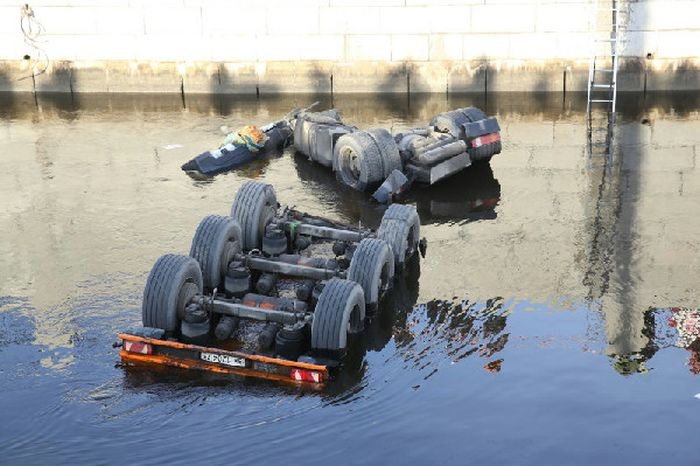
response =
{"points": [[364, 159]]}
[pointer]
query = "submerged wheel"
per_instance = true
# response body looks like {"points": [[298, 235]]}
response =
{"points": [[213, 246], [357, 161], [372, 266], [172, 283], [253, 208], [340, 310], [400, 228], [391, 159]]}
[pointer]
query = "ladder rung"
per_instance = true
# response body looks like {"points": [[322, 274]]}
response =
{"points": [[606, 86], [603, 70], [601, 100]]}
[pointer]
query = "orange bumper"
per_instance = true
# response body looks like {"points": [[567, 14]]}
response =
{"points": [[145, 351]]}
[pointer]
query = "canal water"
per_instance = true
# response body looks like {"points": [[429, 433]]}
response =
{"points": [[553, 321]]}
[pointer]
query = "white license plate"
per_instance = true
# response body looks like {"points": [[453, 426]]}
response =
{"points": [[223, 359]]}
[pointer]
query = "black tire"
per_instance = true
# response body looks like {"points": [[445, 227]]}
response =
{"points": [[400, 228], [372, 266], [253, 208], [340, 310], [172, 281], [209, 247], [485, 152], [391, 159], [357, 161]]}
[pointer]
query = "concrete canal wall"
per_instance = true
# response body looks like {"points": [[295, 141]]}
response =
{"points": [[274, 46]]}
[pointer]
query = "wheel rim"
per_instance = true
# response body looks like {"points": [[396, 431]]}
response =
{"points": [[349, 164]]}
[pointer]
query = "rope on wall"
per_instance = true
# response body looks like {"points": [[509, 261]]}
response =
{"points": [[32, 30]]}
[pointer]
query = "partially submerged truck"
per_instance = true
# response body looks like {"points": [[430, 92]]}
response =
{"points": [[270, 292], [365, 159]]}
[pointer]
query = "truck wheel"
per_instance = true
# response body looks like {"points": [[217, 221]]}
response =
{"points": [[357, 161], [400, 228], [485, 152], [173, 281], [372, 266], [391, 159], [212, 246], [340, 310], [253, 208]]}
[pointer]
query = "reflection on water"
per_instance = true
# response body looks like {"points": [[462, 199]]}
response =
{"points": [[443, 332], [471, 195], [662, 329], [548, 274]]}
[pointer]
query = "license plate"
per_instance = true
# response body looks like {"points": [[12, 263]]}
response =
{"points": [[224, 359]]}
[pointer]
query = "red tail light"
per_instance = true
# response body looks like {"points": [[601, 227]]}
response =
{"points": [[303, 375], [137, 347], [486, 139]]}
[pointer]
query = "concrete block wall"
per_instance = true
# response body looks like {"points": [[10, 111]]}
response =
{"points": [[358, 45]]}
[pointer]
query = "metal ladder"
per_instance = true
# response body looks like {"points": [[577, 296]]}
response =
{"points": [[602, 75], [605, 79]]}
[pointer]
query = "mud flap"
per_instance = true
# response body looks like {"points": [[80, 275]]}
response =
{"points": [[481, 127], [449, 167], [395, 184]]}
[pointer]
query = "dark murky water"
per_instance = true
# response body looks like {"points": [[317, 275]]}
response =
{"points": [[552, 322]]}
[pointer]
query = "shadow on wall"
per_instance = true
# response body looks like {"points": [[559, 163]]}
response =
{"points": [[7, 97], [480, 77], [687, 76], [632, 75], [54, 89], [227, 88], [320, 80], [57, 78]]}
